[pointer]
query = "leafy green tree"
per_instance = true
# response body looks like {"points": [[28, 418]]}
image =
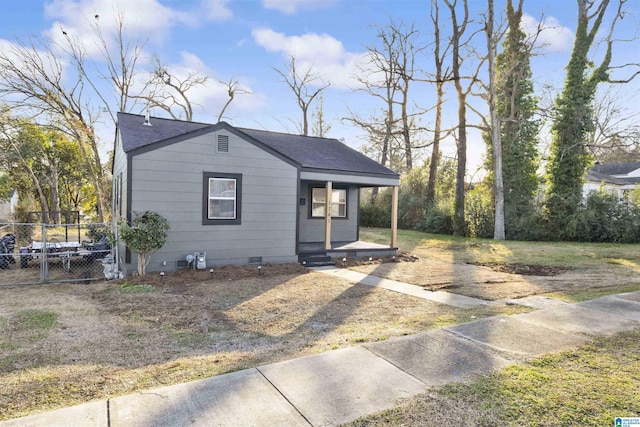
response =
{"points": [[479, 211], [412, 204], [440, 215], [573, 119], [145, 236], [41, 163], [516, 106]]}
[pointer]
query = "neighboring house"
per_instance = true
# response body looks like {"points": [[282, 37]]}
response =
{"points": [[618, 178], [8, 207], [243, 195]]}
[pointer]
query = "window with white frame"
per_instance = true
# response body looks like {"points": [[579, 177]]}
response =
{"points": [[221, 202], [338, 202]]}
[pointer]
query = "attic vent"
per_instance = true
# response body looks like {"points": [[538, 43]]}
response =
{"points": [[223, 144]]}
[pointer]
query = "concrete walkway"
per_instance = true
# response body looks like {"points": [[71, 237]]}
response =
{"points": [[442, 297], [339, 386]]}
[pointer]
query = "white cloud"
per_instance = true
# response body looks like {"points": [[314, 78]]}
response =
{"points": [[321, 52], [553, 36], [216, 10], [148, 19], [290, 7]]}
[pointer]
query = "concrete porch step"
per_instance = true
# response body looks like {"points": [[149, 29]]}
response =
{"points": [[315, 260]]}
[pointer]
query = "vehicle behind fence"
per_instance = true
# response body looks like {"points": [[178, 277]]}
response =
{"points": [[44, 253]]}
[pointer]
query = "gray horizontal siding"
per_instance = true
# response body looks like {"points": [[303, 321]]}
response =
{"points": [[312, 229], [168, 180]]}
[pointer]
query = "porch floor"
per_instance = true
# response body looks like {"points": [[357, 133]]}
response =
{"points": [[354, 249]]}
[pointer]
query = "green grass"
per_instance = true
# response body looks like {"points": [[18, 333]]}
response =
{"points": [[589, 386], [570, 254], [135, 288], [36, 320], [580, 295], [190, 339]]}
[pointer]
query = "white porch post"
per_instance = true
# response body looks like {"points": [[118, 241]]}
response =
{"points": [[394, 217], [327, 215]]}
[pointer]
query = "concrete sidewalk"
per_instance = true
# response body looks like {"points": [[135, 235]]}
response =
{"points": [[339, 386]]}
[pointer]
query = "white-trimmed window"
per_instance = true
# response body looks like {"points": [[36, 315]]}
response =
{"points": [[338, 202], [221, 202]]}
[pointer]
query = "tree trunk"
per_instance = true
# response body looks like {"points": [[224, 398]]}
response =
{"points": [[459, 224], [305, 122], [435, 150], [498, 188], [142, 265], [459, 227], [55, 194], [405, 131]]}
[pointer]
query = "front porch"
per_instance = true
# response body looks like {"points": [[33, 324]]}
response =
{"points": [[315, 252]]}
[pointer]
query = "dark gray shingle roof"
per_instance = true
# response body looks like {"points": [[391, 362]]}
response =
{"points": [[307, 152], [135, 134], [318, 153], [594, 176], [616, 168]]}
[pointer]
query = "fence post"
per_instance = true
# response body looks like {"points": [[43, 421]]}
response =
{"points": [[44, 263]]}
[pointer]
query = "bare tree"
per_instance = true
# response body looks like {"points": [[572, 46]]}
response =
{"points": [[615, 136], [320, 127], [379, 79], [167, 90], [300, 82], [408, 48], [459, 27], [32, 74], [233, 89], [121, 65], [442, 75]]}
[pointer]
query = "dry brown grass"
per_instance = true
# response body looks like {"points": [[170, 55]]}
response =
{"points": [[114, 338]]}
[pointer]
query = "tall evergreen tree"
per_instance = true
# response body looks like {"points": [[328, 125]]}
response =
{"points": [[516, 106], [574, 116]]}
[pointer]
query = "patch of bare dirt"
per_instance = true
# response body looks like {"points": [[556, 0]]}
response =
{"points": [[525, 269], [353, 262]]}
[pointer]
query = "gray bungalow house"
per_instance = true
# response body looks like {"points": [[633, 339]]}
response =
{"points": [[243, 195]]}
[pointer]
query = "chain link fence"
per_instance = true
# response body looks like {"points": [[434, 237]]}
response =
{"points": [[53, 253]]}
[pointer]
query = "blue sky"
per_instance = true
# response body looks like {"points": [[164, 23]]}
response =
{"points": [[245, 39]]}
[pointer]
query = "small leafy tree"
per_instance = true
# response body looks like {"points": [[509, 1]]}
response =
{"points": [[145, 236]]}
